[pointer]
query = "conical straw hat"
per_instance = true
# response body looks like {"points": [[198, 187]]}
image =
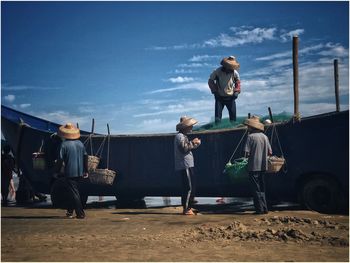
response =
{"points": [[230, 63], [185, 122], [69, 131], [255, 123]]}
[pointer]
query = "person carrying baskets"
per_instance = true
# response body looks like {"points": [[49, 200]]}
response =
{"points": [[257, 148], [184, 161], [74, 156]]}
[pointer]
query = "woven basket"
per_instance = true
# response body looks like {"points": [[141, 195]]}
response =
{"points": [[93, 162], [275, 164], [102, 176]]}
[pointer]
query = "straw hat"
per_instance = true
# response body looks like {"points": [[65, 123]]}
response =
{"points": [[230, 63], [185, 122], [255, 123], [69, 131]]}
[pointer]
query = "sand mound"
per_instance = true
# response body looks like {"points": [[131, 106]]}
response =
{"points": [[286, 230]]}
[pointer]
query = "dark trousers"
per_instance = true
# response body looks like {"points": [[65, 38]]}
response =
{"points": [[5, 185], [188, 187], [258, 185], [230, 103], [77, 202]]}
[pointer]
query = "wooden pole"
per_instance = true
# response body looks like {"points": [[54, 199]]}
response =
{"points": [[270, 113], [296, 79], [336, 85], [108, 142], [92, 132]]}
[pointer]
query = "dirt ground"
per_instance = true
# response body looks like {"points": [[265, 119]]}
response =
{"points": [[218, 233]]}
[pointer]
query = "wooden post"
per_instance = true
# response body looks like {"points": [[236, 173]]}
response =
{"points": [[336, 85], [249, 115], [270, 113], [296, 79]]}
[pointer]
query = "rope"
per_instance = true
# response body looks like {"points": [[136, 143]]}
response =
{"points": [[101, 147], [238, 145], [91, 150], [274, 129]]}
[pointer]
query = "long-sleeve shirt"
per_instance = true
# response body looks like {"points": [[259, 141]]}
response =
{"points": [[182, 151], [227, 82]]}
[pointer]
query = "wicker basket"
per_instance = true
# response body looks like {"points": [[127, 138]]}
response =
{"points": [[102, 176], [93, 162], [39, 161], [275, 164]]}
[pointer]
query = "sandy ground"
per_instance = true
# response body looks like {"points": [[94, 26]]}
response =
{"points": [[218, 233]]}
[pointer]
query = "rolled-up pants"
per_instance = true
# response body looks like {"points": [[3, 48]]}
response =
{"points": [[77, 203]]}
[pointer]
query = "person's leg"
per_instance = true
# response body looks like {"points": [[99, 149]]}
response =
{"points": [[193, 184], [76, 199], [186, 189], [5, 189], [219, 106], [254, 178], [231, 107], [262, 191]]}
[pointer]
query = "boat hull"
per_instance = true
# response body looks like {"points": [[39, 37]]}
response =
{"points": [[315, 146]]}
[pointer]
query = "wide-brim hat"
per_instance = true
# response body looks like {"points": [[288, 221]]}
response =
{"points": [[230, 63], [185, 122], [69, 131], [254, 122]]}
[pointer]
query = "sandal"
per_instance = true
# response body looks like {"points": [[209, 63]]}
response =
{"points": [[189, 213]]}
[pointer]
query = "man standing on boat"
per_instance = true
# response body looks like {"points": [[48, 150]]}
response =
{"points": [[225, 85], [73, 154], [257, 148], [184, 162]]}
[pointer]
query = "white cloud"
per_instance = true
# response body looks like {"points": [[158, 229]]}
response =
{"points": [[25, 87], [182, 107], [238, 36], [25, 105], [194, 65], [201, 58], [62, 117], [303, 51], [180, 79], [289, 35], [183, 71], [200, 86], [10, 98], [335, 50], [245, 36]]}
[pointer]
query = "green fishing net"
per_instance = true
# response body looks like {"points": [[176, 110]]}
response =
{"points": [[238, 170], [226, 124]]}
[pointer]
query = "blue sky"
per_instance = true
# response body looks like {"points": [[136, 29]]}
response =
{"points": [[139, 66]]}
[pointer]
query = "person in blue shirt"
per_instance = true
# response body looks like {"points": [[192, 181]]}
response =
{"points": [[73, 154]]}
